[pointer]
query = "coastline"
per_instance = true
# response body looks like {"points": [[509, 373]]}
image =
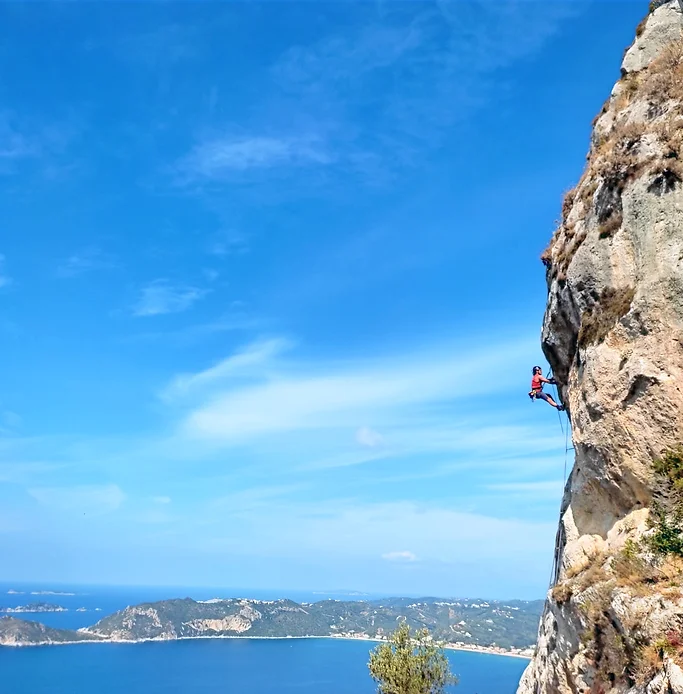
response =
{"points": [[488, 650]]}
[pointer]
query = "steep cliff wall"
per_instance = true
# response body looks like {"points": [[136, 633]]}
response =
{"points": [[613, 333]]}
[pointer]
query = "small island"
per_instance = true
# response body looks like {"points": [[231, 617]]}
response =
{"points": [[50, 592], [506, 628], [34, 607]]}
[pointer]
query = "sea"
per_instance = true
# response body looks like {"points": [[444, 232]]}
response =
{"points": [[205, 666]]}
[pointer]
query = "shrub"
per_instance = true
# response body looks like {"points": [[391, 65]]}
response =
{"points": [[562, 592], [668, 472], [611, 225], [667, 537], [651, 657], [599, 321], [669, 571], [610, 649], [630, 569], [666, 512], [410, 664], [567, 202], [649, 662]]}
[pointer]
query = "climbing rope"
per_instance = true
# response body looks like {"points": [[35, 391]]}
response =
{"points": [[566, 450], [549, 376], [559, 543], [564, 430], [560, 537], [559, 416]]}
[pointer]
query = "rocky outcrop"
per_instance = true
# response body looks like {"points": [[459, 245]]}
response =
{"points": [[613, 333], [233, 624], [135, 623], [173, 619]]}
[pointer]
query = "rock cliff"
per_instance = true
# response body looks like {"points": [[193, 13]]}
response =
{"points": [[613, 333]]}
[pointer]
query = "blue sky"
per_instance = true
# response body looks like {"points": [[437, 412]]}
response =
{"points": [[270, 289]]}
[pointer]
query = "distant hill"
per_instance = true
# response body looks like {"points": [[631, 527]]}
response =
{"points": [[19, 632], [506, 625]]}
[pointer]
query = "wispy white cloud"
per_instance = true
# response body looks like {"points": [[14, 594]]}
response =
{"points": [[537, 489], [368, 437], [296, 397], [400, 556], [13, 143], [161, 499], [344, 58], [153, 516], [162, 47], [218, 157], [227, 242], [478, 436], [161, 297], [26, 471], [12, 522], [240, 365], [210, 274], [348, 458], [254, 498], [191, 334], [9, 421], [436, 63], [84, 261], [24, 141], [91, 500], [5, 279], [352, 529]]}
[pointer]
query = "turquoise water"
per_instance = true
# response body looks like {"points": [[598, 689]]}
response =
{"points": [[225, 666]]}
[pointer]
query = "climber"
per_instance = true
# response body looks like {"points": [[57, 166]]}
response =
{"points": [[536, 392]]}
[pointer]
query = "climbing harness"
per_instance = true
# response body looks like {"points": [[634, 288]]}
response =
{"points": [[536, 392]]}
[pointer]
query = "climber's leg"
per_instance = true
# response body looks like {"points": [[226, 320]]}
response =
{"points": [[548, 399]]}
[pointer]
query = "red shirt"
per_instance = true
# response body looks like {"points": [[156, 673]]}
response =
{"points": [[536, 383]]}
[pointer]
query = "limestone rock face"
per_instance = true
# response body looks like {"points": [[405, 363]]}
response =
{"points": [[613, 333], [233, 623], [662, 27]]}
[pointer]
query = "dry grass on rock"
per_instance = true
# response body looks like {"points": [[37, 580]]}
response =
{"points": [[617, 157], [599, 321]]}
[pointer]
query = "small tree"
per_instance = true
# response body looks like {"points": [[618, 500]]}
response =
{"points": [[410, 664]]}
